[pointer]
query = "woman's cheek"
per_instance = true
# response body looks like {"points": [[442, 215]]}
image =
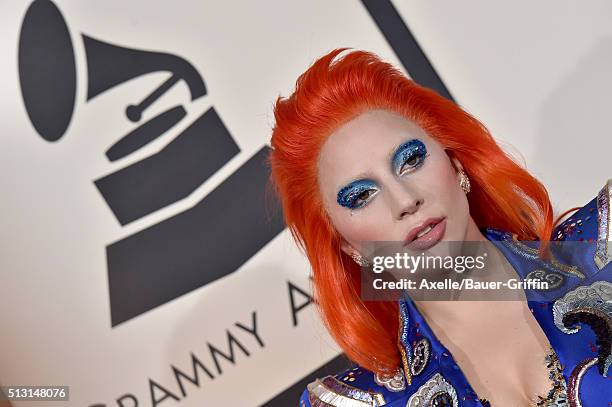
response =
{"points": [[356, 229]]}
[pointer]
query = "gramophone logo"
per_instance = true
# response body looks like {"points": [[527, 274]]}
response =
{"points": [[192, 248]]}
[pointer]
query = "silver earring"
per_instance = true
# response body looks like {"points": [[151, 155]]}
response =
{"points": [[359, 259], [464, 181]]}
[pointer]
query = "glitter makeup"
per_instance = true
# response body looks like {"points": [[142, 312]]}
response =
{"points": [[408, 156], [357, 194]]}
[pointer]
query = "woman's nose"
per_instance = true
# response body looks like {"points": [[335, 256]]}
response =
{"points": [[405, 201]]}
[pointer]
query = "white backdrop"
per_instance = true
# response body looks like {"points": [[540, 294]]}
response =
{"points": [[536, 73]]}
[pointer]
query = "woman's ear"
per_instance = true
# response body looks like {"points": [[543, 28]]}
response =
{"points": [[457, 164], [347, 248], [354, 254]]}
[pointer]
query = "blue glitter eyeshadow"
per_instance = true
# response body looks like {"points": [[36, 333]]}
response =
{"points": [[351, 196], [411, 150]]}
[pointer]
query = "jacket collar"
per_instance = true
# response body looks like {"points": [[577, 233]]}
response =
{"points": [[422, 353]]}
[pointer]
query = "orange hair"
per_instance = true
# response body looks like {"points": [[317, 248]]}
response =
{"points": [[331, 92]]}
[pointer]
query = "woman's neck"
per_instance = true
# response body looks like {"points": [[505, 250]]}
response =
{"points": [[464, 306]]}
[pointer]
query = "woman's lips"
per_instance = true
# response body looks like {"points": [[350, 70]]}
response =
{"points": [[430, 238]]}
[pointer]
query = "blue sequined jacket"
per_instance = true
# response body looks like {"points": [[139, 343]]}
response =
{"points": [[576, 318]]}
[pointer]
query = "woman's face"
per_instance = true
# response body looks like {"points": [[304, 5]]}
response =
{"points": [[381, 176]]}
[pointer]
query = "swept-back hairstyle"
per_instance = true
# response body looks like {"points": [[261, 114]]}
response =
{"points": [[335, 89]]}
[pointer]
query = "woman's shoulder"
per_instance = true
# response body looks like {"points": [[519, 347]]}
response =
{"points": [[359, 387], [356, 387], [585, 241], [587, 234], [590, 219]]}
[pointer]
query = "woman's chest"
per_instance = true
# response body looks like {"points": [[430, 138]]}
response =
{"points": [[514, 371], [504, 357]]}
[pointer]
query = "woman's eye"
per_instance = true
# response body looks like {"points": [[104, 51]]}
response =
{"points": [[357, 194], [409, 156], [363, 197], [412, 163]]}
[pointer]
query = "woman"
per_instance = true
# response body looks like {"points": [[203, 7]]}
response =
{"points": [[361, 153]]}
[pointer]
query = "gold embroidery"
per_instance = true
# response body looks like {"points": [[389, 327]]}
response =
{"points": [[402, 349], [569, 269]]}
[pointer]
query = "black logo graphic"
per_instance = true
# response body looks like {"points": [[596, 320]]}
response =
{"points": [[192, 248]]}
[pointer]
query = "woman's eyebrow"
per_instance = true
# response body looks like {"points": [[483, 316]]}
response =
{"points": [[359, 177]]}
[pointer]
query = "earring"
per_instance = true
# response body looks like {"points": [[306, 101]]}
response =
{"points": [[464, 181], [359, 259]]}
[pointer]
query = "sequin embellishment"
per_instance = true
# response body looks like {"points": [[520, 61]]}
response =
{"points": [[591, 305], [569, 227], [331, 392], [402, 341], [420, 358], [435, 392], [574, 380], [352, 375], [392, 383], [414, 358], [554, 280], [603, 250], [557, 395]]}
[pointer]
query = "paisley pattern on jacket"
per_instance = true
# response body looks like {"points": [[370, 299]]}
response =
{"points": [[575, 314]]}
